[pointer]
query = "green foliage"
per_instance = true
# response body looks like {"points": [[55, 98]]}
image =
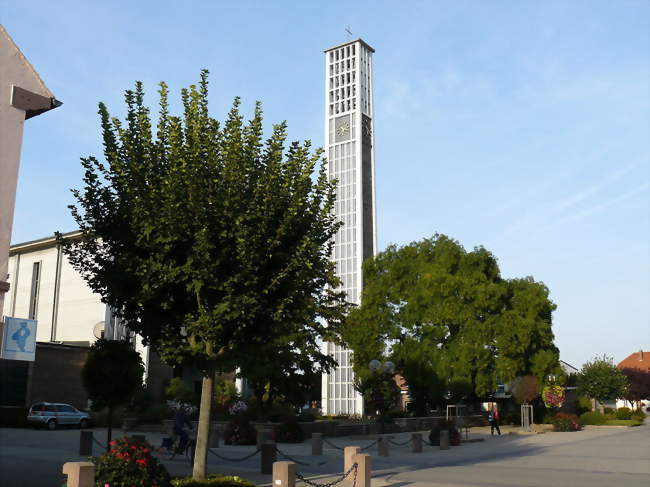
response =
{"points": [[289, 431], [583, 405], [213, 481], [380, 393], [638, 415], [178, 390], [112, 373], [211, 242], [439, 311], [225, 393], [459, 390], [127, 464], [566, 422], [602, 380], [623, 413], [593, 417], [512, 417]]}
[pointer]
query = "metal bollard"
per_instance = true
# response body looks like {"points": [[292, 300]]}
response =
{"points": [[317, 443], [263, 435], [268, 456], [382, 447], [80, 474], [348, 454], [416, 443], [364, 470], [86, 443], [444, 439], [284, 474]]}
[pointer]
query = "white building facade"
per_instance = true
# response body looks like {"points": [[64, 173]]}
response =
{"points": [[349, 143]]}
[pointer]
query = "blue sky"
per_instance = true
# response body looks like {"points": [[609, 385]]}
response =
{"points": [[520, 126]]}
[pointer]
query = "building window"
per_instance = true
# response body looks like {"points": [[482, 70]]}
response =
{"points": [[33, 297]]}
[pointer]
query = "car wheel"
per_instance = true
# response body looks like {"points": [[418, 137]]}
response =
{"points": [[51, 424], [83, 424]]}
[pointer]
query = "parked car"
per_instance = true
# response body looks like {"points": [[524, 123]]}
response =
{"points": [[51, 415]]}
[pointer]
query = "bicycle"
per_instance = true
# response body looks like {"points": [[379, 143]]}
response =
{"points": [[172, 444]]}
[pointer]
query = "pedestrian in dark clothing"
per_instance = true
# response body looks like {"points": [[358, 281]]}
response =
{"points": [[493, 419], [180, 421]]}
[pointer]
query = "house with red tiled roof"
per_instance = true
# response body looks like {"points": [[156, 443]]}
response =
{"points": [[637, 360]]}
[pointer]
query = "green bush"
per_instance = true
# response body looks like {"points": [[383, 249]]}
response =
{"points": [[566, 422], [583, 405], [289, 431], [623, 413], [593, 417], [513, 417], [638, 415], [128, 464], [212, 481]]}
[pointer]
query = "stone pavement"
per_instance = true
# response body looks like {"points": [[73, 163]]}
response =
{"points": [[595, 457]]}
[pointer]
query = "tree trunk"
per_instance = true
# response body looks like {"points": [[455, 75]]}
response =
{"points": [[199, 471], [109, 433]]}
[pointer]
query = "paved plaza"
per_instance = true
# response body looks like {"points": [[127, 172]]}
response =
{"points": [[594, 457]]}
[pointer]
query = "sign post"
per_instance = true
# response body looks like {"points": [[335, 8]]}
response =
{"points": [[18, 339]]}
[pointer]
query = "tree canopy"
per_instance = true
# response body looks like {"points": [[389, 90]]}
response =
{"points": [[111, 375], [600, 379], [440, 311], [210, 242]]}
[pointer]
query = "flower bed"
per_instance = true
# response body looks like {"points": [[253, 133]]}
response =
{"points": [[128, 464], [566, 422]]}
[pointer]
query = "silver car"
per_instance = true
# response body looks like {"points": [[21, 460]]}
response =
{"points": [[52, 414]]}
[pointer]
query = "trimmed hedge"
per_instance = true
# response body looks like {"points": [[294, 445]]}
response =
{"points": [[212, 481], [623, 413], [593, 417]]}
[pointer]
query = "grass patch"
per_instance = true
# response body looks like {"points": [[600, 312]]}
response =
{"points": [[623, 422]]}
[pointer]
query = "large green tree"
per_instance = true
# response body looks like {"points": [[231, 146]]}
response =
{"points": [[601, 380], [446, 313], [112, 375], [209, 241]]}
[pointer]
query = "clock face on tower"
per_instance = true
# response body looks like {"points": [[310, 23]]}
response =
{"points": [[342, 128]]}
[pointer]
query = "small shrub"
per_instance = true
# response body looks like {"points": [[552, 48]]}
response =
{"points": [[100, 418], [212, 481], [638, 415], [307, 416], [583, 405], [609, 410], [593, 417], [513, 417], [289, 431], [240, 432], [623, 413], [128, 464], [566, 422]]}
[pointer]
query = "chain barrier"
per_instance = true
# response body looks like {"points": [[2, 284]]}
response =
{"points": [[354, 468], [370, 445], [304, 464], [325, 440], [399, 444], [235, 459], [103, 447]]}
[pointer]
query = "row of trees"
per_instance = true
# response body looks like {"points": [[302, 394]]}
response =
{"points": [[448, 320]]}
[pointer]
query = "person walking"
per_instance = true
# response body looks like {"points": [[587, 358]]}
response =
{"points": [[493, 419]]}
